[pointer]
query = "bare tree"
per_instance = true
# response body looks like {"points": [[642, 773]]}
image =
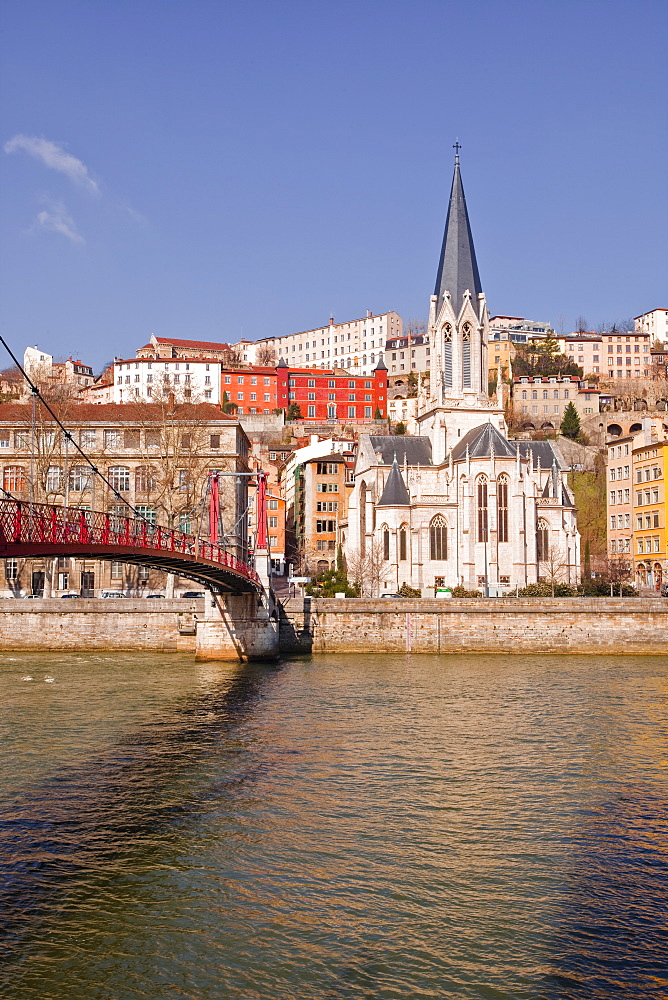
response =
{"points": [[618, 570], [415, 326], [581, 325], [366, 570], [266, 356], [554, 566], [232, 358]]}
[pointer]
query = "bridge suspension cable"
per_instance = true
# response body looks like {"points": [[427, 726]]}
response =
{"points": [[68, 436]]}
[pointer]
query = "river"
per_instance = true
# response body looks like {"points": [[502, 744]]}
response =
{"points": [[342, 827]]}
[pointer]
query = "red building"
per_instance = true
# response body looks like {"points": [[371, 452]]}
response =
{"points": [[333, 394], [251, 389]]}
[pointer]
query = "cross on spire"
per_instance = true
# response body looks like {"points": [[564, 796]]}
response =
{"points": [[457, 146]]}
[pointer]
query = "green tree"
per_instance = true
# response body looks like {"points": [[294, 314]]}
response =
{"points": [[294, 412], [228, 406], [543, 357], [378, 415], [400, 428], [570, 425], [412, 385], [333, 581]]}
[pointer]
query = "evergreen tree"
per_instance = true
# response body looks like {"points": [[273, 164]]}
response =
{"points": [[570, 425], [294, 412]]}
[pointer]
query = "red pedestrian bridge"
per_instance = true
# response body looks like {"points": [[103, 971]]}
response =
{"points": [[32, 529]]}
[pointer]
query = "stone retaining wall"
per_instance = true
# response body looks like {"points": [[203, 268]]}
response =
{"points": [[505, 625], [85, 624]]}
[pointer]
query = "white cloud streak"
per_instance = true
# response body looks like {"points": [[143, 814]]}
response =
{"points": [[55, 157], [58, 220]]}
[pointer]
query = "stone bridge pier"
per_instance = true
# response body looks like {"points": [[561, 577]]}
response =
{"points": [[240, 626]]}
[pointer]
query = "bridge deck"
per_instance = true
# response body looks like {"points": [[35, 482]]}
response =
{"points": [[31, 530]]}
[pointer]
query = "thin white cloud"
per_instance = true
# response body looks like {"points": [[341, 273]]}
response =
{"points": [[55, 157], [57, 219]]}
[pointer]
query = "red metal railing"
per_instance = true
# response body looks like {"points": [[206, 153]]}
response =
{"points": [[30, 524]]}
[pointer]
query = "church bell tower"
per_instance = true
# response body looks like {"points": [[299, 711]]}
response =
{"points": [[458, 316]]}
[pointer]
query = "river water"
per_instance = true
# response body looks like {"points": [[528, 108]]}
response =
{"points": [[341, 827]]}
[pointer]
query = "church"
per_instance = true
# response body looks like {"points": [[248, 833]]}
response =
{"points": [[459, 503]]}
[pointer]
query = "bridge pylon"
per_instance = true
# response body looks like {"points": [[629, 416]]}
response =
{"points": [[241, 626]]}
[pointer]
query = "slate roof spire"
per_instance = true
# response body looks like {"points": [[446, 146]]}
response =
{"points": [[457, 267], [395, 493]]}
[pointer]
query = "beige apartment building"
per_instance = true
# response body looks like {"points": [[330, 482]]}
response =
{"points": [[541, 401], [611, 355], [357, 346], [158, 459]]}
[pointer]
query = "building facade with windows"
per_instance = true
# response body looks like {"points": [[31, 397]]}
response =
{"points": [[459, 503], [654, 323], [410, 353], [334, 394], [356, 346], [539, 402], [612, 355], [196, 379], [650, 450], [157, 459]]}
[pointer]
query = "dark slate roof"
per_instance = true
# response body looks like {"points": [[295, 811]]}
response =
{"points": [[395, 493], [381, 364], [457, 267], [536, 450], [414, 450], [549, 489], [480, 441]]}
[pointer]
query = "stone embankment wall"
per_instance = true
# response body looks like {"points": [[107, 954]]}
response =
{"points": [[510, 625], [85, 624], [505, 625]]}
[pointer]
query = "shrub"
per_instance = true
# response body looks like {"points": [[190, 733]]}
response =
{"points": [[407, 591], [463, 592], [545, 590]]}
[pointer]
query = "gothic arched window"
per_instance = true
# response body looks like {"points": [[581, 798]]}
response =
{"points": [[386, 542], [362, 515], [502, 508], [402, 542], [481, 497], [438, 538], [466, 356], [542, 540], [447, 356]]}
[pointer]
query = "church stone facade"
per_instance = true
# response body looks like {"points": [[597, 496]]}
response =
{"points": [[459, 503]]}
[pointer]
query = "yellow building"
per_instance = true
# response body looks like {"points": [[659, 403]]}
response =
{"points": [[650, 513]]}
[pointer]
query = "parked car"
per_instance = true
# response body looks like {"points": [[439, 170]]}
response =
{"points": [[153, 596], [112, 593], [193, 593], [71, 593], [397, 596]]}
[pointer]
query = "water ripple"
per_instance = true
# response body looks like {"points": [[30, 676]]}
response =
{"points": [[388, 828]]}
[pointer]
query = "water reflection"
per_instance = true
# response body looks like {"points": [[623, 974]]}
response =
{"points": [[400, 827], [117, 809]]}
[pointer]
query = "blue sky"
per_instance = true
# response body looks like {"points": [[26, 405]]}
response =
{"points": [[211, 169]]}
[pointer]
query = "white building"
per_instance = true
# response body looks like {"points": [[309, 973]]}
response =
{"points": [[460, 504], [655, 323], [357, 346], [198, 379]]}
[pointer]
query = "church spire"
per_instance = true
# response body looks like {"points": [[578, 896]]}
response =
{"points": [[457, 267]]}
